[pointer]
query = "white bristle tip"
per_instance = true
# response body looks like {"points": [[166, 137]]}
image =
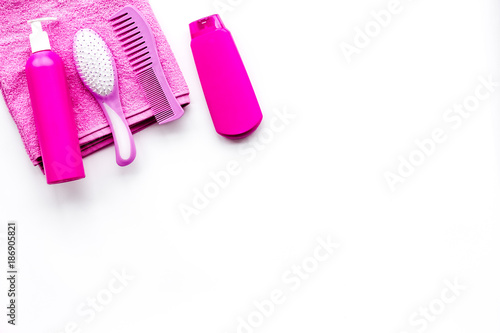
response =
{"points": [[94, 62]]}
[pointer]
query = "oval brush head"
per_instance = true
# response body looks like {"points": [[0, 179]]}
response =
{"points": [[94, 62]]}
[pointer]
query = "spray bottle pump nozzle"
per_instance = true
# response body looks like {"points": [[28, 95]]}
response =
{"points": [[39, 39]]}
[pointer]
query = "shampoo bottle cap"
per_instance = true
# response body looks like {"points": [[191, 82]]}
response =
{"points": [[39, 39], [206, 25]]}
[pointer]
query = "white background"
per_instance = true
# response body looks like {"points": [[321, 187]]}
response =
{"points": [[322, 176]]}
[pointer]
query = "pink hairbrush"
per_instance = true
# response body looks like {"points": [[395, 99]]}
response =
{"points": [[97, 70]]}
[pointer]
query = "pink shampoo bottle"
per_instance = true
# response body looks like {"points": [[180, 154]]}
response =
{"points": [[53, 111], [228, 91]]}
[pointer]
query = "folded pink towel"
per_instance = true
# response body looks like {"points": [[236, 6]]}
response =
{"points": [[73, 15]]}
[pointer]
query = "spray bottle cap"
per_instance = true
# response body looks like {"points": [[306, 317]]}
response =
{"points": [[39, 39]]}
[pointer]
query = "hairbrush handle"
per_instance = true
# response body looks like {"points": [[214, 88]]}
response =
{"points": [[124, 141]]}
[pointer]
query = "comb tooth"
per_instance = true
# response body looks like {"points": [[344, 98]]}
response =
{"points": [[127, 34], [154, 100], [127, 44], [124, 40], [138, 57], [134, 47], [139, 62], [131, 54], [118, 17], [159, 101], [150, 84], [143, 67], [117, 29], [121, 22], [156, 97], [164, 116]]}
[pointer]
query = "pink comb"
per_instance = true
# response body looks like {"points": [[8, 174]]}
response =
{"points": [[139, 44]]}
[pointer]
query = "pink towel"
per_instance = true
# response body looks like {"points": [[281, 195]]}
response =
{"points": [[73, 15]]}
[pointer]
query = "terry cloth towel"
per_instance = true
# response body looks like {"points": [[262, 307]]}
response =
{"points": [[93, 130]]}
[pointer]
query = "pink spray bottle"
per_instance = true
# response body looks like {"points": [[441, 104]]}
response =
{"points": [[229, 93], [52, 109]]}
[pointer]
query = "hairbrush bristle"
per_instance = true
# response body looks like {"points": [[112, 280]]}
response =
{"points": [[94, 62]]}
